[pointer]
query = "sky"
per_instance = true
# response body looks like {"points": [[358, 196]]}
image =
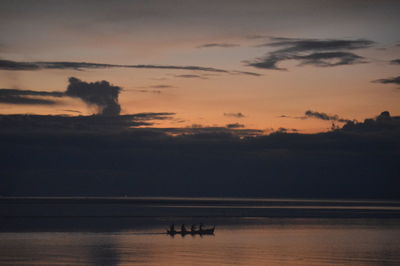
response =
{"points": [[298, 65]]}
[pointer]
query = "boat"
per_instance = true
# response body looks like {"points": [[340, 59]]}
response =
{"points": [[208, 231]]}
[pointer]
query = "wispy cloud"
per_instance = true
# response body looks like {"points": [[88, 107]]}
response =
{"points": [[395, 62], [220, 45], [392, 80], [237, 115], [319, 115], [161, 86], [234, 125], [190, 76], [29, 97], [148, 91], [324, 116], [316, 52], [20, 66]]}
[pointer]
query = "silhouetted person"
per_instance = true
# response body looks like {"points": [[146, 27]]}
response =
{"points": [[193, 228], [201, 226], [172, 228], [183, 228]]}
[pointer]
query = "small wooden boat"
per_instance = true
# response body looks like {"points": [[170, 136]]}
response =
{"points": [[208, 231]]}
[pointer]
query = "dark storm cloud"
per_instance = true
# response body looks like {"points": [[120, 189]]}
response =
{"points": [[235, 125], [14, 96], [14, 65], [322, 53], [395, 62], [393, 80], [237, 115], [100, 93], [220, 45], [324, 116]]}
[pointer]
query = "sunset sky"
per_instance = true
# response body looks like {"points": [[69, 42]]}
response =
{"points": [[260, 64]]}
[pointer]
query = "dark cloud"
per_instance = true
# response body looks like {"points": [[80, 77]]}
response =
{"points": [[149, 91], [283, 130], [17, 92], [322, 53], [100, 93], [395, 62], [393, 80], [94, 123], [221, 45], [72, 111], [200, 131], [246, 73], [154, 88], [14, 65], [237, 115], [28, 97], [161, 86], [13, 99], [330, 59], [234, 125], [383, 122], [324, 116], [305, 45], [190, 76]]}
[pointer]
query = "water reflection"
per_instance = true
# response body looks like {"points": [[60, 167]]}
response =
{"points": [[236, 242]]}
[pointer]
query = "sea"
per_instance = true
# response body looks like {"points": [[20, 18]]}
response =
{"points": [[132, 231]]}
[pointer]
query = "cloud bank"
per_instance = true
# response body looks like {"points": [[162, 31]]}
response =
{"points": [[358, 161]]}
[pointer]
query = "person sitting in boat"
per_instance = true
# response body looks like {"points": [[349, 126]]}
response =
{"points": [[201, 227], [172, 228], [183, 228], [193, 228]]}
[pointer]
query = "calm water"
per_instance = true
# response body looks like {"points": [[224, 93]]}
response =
{"points": [[237, 241]]}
